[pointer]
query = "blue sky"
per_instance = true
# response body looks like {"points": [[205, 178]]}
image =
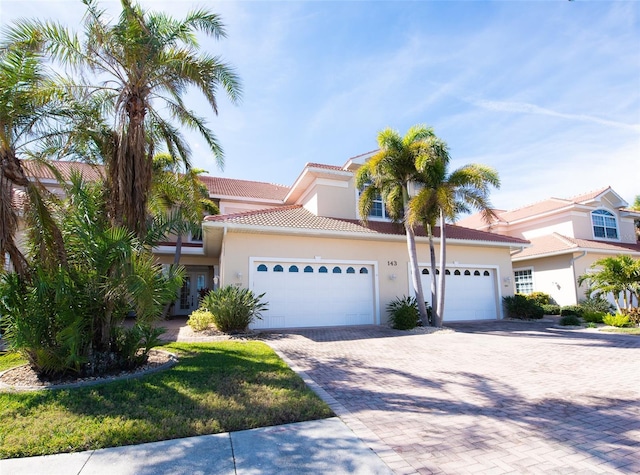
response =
{"points": [[547, 92]]}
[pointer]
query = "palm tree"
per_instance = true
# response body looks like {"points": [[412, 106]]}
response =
{"points": [[619, 276], [30, 102], [387, 175], [443, 196], [143, 64]]}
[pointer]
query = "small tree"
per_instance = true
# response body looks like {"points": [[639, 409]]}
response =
{"points": [[618, 276]]}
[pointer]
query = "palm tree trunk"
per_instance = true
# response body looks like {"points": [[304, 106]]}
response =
{"points": [[415, 272], [434, 287], [439, 318]]}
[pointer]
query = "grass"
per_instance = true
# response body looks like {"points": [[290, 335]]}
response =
{"points": [[215, 387], [628, 331]]}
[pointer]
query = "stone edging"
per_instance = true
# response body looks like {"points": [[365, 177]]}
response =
{"points": [[173, 360]]}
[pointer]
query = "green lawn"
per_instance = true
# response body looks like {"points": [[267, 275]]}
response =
{"points": [[628, 331], [215, 387]]}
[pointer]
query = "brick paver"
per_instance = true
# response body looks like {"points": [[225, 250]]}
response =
{"points": [[490, 398]]}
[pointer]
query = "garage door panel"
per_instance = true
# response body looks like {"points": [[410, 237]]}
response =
{"points": [[305, 299], [470, 294]]}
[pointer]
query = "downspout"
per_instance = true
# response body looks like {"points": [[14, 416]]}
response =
{"points": [[222, 260], [573, 269]]}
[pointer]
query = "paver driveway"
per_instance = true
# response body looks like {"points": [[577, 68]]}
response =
{"points": [[493, 397]]}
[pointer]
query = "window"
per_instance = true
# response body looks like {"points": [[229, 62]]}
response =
{"points": [[476, 273], [293, 269], [486, 273], [456, 272], [351, 270], [425, 271], [308, 269], [524, 281], [467, 272], [378, 209], [337, 270], [278, 268], [322, 270], [604, 224], [363, 270], [262, 268], [447, 272]]}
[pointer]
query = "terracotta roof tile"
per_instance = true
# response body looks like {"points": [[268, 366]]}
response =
{"points": [[88, 171], [557, 243], [297, 217], [219, 186], [325, 166], [589, 196]]}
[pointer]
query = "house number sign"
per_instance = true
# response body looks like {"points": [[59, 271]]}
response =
{"points": [[392, 263]]}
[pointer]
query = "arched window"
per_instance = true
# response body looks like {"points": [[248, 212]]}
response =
{"points": [[447, 272], [604, 224], [322, 270], [425, 271], [476, 273], [308, 269], [486, 273], [467, 272], [351, 270], [456, 272], [293, 269], [262, 268], [337, 270], [363, 270], [437, 271], [278, 268]]}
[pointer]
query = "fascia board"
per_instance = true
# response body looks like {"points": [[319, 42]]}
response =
{"points": [[244, 228]]}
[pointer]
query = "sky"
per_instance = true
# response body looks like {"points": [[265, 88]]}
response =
{"points": [[546, 92]]}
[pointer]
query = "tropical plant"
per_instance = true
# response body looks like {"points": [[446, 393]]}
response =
{"points": [[30, 104], [233, 308], [551, 309], [540, 298], [387, 175], [592, 316], [618, 320], [141, 66], [403, 313], [619, 276], [596, 304], [67, 318], [633, 314], [572, 310], [570, 321], [200, 320], [442, 196]]}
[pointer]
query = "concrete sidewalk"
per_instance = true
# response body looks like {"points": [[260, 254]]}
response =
{"points": [[317, 447]]}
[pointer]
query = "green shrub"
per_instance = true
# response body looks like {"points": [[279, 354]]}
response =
{"points": [[596, 304], [200, 320], [551, 309], [618, 320], [519, 306], [592, 316], [570, 321], [571, 310], [634, 315], [403, 313], [540, 298], [233, 308]]}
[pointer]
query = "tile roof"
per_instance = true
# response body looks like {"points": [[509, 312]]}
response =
{"points": [[534, 209], [297, 217], [219, 186], [18, 198], [325, 166], [88, 171], [559, 244]]}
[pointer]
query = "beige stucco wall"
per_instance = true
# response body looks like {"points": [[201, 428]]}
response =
{"points": [[334, 198], [390, 259], [552, 275], [562, 224]]}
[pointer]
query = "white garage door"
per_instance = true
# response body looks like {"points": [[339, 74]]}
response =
{"points": [[470, 293], [314, 294]]}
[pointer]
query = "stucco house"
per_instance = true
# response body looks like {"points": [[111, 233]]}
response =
{"points": [[319, 265], [567, 236]]}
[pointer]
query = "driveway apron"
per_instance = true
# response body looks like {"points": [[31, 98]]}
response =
{"points": [[490, 397]]}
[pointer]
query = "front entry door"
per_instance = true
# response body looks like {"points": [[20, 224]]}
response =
{"points": [[193, 283]]}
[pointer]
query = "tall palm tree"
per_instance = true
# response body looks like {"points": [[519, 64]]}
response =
{"points": [[30, 102], [143, 63], [388, 174], [442, 196]]}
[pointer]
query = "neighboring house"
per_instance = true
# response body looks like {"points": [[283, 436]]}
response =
{"points": [[567, 236], [306, 248]]}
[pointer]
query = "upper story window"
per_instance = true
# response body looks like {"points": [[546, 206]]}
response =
{"points": [[604, 224], [378, 209]]}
